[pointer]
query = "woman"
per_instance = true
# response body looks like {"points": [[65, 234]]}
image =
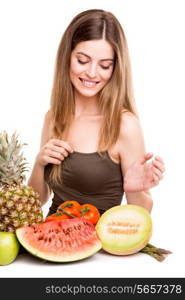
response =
{"points": [[92, 147]]}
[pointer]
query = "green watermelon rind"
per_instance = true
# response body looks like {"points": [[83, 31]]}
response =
{"points": [[78, 255]]}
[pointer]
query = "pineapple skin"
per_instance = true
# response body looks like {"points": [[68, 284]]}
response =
{"points": [[19, 203], [19, 206]]}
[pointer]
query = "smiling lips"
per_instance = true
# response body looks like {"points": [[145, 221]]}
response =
{"points": [[88, 83]]}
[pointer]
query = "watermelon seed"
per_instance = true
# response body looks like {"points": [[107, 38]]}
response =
{"points": [[85, 223], [68, 230]]}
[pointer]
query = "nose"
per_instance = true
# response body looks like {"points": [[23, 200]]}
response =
{"points": [[91, 70]]}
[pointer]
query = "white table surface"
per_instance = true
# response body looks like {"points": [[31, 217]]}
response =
{"points": [[100, 264]]}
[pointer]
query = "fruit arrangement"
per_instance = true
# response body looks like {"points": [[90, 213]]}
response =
{"points": [[19, 204], [123, 229], [64, 237], [74, 232]]}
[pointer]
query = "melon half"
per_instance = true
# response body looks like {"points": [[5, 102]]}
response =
{"points": [[124, 229]]}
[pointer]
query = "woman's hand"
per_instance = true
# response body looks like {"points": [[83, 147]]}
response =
{"points": [[53, 152], [142, 176]]}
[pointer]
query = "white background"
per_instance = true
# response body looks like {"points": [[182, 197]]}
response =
{"points": [[30, 32]]}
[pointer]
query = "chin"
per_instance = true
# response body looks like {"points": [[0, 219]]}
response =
{"points": [[87, 94]]}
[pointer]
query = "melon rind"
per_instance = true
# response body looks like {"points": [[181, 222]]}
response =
{"points": [[114, 225], [85, 250]]}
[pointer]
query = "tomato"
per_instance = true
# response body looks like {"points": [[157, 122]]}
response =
{"points": [[90, 212], [56, 217], [70, 207]]}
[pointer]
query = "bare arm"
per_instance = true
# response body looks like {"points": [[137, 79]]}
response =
{"points": [[132, 148], [51, 151], [36, 179]]}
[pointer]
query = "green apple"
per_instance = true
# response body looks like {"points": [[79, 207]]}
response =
{"points": [[9, 248]]}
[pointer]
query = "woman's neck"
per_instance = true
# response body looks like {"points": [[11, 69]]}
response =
{"points": [[85, 106]]}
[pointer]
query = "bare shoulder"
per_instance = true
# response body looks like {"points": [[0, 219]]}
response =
{"points": [[130, 126]]}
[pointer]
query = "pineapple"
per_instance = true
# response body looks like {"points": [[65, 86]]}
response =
{"points": [[19, 204]]}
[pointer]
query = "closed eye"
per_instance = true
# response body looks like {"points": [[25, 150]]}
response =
{"points": [[82, 62], [85, 62], [105, 68]]}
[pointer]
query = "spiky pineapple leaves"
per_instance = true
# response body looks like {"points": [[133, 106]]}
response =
{"points": [[12, 162]]}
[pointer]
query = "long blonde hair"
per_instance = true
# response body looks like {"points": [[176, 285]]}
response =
{"points": [[115, 97]]}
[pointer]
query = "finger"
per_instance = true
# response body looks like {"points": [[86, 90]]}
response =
{"points": [[155, 179], [63, 144], [67, 146], [158, 165], [54, 161], [60, 150], [159, 159], [146, 157], [64, 153], [55, 154], [157, 173]]}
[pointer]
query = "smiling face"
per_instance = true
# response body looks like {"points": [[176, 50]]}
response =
{"points": [[91, 66]]}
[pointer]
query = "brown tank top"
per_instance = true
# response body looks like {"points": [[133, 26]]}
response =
{"points": [[88, 178]]}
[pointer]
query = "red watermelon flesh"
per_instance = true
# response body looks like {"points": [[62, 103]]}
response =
{"points": [[60, 241]]}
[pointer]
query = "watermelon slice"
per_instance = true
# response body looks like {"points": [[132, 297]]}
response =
{"points": [[60, 241]]}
